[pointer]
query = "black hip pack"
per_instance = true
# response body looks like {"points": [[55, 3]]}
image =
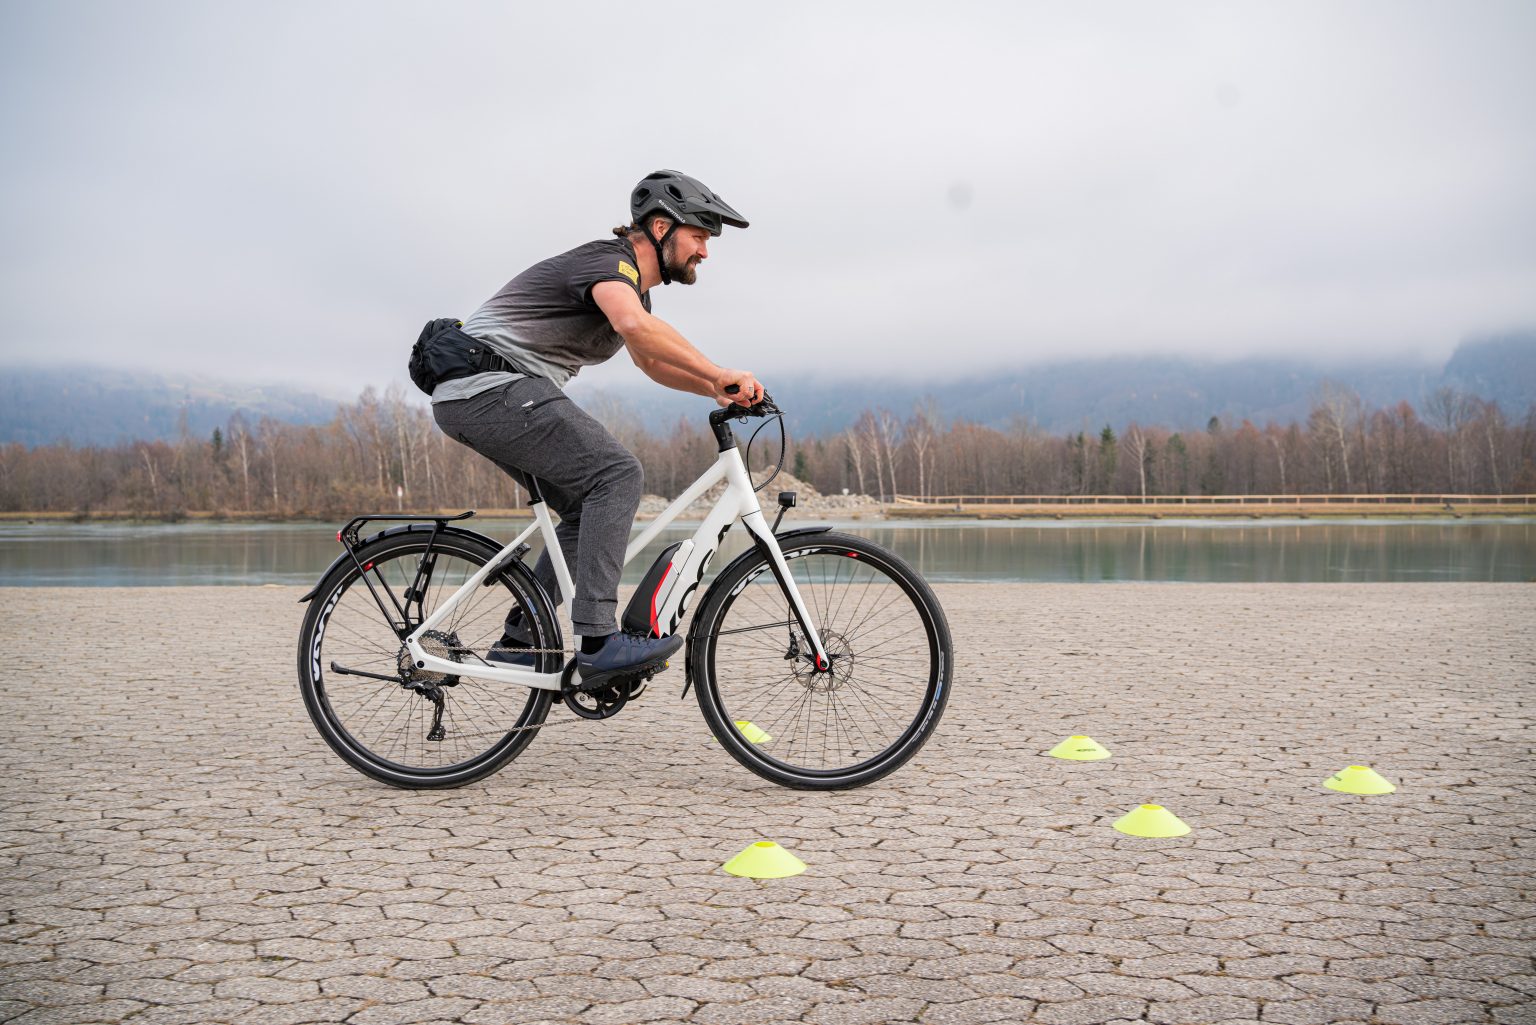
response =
{"points": [[443, 352]]}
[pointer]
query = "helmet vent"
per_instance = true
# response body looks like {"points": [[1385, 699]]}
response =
{"points": [[676, 192]]}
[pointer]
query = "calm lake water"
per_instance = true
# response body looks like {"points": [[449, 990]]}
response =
{"points": [[1192, 551]]}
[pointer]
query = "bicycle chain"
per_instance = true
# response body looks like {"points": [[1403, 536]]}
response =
{"points": [[520, 729]]}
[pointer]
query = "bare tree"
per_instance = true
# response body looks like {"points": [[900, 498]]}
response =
{"points": [[922, 429], [269, 433], [868, 429], [154, 486], [1337, 413], [887, 430], [1491, 419], [1450, 410], [1276, 441], [853, 440], [240, 437], [1135, 442]]}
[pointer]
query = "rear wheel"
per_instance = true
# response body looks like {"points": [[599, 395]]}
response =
{"points": [[758, 685], [400, 725]]}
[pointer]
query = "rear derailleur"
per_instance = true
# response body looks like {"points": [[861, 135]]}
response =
{"points": [[430, 685]]}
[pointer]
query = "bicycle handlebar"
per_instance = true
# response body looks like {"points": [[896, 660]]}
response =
{"points": [[764, 408]]}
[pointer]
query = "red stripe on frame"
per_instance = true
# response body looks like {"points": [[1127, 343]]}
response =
{"points": [[656, 630]]}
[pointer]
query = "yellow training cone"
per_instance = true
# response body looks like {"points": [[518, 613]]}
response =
{"points": [[1151, 820], [1079, 749], [751, 732], [1358, 779], [765, 860]]}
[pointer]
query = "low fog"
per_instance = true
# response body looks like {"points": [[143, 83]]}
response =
{"points": [[286, 192]]}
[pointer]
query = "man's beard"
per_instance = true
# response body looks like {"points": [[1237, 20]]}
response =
{"points": [[682, 273]]}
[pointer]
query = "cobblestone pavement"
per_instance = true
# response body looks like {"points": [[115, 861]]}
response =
{"points": [[180, 846]]}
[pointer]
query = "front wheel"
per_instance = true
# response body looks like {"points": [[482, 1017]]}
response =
{"points": [[758, 686]]}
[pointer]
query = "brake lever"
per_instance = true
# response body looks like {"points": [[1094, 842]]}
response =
{"points": [[762, 407]]}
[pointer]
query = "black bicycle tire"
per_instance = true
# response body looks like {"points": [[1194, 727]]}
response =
{"points": [[357, 755], [706, 690]]}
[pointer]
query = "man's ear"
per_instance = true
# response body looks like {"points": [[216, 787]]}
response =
{"points": [[659, 226]]}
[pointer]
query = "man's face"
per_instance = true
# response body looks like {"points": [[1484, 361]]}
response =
{"points": [[683, 251]]}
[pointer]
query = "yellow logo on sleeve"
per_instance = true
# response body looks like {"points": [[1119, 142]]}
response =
{"points": [[629, 272]]}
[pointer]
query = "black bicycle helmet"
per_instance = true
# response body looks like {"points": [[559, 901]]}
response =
{"points": [[683, 200]]}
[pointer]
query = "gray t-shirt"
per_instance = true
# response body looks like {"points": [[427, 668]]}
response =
{"points": [[544, 320]]}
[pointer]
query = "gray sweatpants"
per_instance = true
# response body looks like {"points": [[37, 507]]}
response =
{"points": [[528, 427]]}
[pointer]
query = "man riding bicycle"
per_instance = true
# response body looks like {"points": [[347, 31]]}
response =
{"points": [[573, 310]]}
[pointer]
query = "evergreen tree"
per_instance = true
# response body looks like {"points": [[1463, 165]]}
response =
{"points": [[1109, 450]]}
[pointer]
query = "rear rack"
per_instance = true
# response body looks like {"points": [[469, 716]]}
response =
{"points": [[416, 592], [348, 535]]}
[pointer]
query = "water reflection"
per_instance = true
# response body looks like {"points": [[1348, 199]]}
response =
{"points": [[100, 554]]}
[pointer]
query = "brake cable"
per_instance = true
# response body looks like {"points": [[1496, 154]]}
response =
{"points": [[777, 414]]}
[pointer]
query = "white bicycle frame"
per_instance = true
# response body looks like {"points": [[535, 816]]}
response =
{"points": [[689, 563]]}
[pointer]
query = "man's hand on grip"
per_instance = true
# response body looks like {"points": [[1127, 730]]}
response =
{"points": [[738, 386]]}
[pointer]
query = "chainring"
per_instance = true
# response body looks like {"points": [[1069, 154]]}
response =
{"points": [[605, 701]]}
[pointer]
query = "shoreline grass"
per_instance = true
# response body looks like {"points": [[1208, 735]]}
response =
{"points": [[893, 514]]}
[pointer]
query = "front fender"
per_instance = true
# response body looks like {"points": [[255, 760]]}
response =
{"points": [[714, 585], [346, 557]]}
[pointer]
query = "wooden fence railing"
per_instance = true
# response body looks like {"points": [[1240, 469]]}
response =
{"points": [[1092, 500]]}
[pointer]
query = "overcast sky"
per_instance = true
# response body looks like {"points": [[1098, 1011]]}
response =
{"points": [[286, 191]]}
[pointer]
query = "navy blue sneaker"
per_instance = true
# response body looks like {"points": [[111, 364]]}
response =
{"points": [[625, 654]]}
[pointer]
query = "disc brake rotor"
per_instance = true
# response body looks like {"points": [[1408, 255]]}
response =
{"points": [[803, 662]]}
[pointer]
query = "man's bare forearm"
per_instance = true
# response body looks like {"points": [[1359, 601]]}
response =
{"points": [[655, 339], [672, 377]]}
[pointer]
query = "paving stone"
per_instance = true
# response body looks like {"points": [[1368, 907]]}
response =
{"points": [[524, 1012], [1203, 1010], [51, 994], [306, 1012], [782, 1008], [1513, 1015], [1091, 1011], [410, 1012], [160, 991], [1431, 1012], [1317, 1011], [865, 1012], [649, 1009], [267, 990], [700, 991], [978, 1012], [192, 1014]]}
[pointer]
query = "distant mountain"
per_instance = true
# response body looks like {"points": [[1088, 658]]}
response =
{"points": [[104, 407], [1501, 368], [1180, 393], [99, 406]]}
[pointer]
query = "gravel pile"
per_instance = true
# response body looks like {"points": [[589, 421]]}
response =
{"points": [[810, 503]]}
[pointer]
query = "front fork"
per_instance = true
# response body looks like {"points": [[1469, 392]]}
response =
{"points": [[768, 545]]}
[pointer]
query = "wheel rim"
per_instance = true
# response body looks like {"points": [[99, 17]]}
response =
{"points": [[880, 691], [390, 723]]}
